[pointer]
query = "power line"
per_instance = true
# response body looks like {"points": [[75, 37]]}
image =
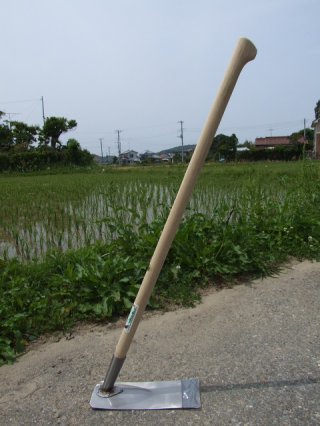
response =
{"points": [[9, 114], [256, 126], [19, 102], [171, 133]]}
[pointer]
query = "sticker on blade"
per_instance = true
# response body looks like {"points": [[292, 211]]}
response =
{"points": [[131, 317]]}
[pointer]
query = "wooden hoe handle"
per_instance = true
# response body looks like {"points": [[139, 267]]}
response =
{"points": [[244, 52]]}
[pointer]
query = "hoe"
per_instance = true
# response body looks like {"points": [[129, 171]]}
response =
{"points": [[112, 395]]}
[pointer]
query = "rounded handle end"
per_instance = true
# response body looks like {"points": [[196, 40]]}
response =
{"points": [[247, 48]]}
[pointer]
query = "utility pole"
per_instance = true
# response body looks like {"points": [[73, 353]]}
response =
{"points": [[101, 150], [43, 116], [109, 159], [119, 145], [304, 129], [181, 137], [271, 130]]}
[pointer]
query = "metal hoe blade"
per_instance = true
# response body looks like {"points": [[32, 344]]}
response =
{"points": [[149, 396]]}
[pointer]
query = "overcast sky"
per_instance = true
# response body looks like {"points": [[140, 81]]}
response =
{"points": [[143, 65]]}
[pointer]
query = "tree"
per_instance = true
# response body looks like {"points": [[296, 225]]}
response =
{"points": [[248, 144], [23, 135], [297, 138], [76, 155], [317, 110], [6, 140], [224, 146], [53, 129], [73, 145], [73, 150]]}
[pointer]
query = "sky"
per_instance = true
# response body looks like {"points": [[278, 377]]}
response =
{"points": [[141, 66]]}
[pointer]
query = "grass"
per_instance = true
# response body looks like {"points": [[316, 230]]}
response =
{"points": [[76, 246]]}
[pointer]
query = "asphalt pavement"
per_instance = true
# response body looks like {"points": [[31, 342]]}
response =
{"points": [[254, 347]]}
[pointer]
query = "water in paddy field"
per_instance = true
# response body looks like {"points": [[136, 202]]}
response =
{"points": [[97, 217], [100, 216]]}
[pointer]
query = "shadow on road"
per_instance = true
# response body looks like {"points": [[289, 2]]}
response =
{"points": [[260, 385]]}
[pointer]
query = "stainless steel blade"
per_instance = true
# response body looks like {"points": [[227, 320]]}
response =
{"points": [[149, 396]]}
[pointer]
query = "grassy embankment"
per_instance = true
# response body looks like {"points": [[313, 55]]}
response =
{"points": [[76, 246]]}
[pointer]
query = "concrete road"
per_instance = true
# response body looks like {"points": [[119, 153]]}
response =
{"points": [[255, 349]]}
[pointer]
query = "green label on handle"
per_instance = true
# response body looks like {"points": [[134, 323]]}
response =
{"points": [[131, 317]]}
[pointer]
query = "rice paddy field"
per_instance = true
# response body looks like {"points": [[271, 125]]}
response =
{"points": [[75, 246]]}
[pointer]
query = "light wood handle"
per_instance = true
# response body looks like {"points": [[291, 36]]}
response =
{"points": [[244, 52]]}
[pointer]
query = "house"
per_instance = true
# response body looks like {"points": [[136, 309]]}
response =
{"points": [[151, 157], [271, 142], [103, 160], [166, 157], [242, 148], [130, 157], [157, 158], [316, 146]]}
